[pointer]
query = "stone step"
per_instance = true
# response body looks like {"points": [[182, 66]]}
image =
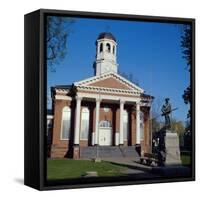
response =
{"points": [[107, 151]]}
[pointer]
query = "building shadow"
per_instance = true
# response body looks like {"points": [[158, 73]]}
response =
{"points": [[19, 180]]}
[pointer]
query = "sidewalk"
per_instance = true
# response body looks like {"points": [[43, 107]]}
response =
{"points": [[135, 168], [129, 162]]}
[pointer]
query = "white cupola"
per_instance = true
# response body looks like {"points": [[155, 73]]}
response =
{"points": [[106, 59]]}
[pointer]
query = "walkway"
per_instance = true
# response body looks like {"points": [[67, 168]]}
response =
{"points": [[134, 169], [137, 170]]}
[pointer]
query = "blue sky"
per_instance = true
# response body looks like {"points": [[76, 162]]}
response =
{"points": [[148, 50]]}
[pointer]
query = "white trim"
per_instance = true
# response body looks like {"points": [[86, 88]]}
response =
{"points": [[49, 116], [64, 139], [106, 128], [108, 97], [108, 90], [106, 40], [62, 91], [103, 96], [132, 84], [61, 129], [108, 75], [60, 97]]}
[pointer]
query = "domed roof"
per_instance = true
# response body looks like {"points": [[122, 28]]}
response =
{"points": [[106, 35]]}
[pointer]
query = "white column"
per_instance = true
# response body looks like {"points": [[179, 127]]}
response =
{"points": [[97, 121], [137, 123], [93, 138], [98, 47], [77, 120], [121, 129], [104, 47]]}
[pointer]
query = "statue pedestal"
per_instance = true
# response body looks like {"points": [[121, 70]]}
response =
{"points": [[172, 149]]}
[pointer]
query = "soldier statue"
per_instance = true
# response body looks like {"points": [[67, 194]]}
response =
{"points": [[160, 136], [166, 111]]}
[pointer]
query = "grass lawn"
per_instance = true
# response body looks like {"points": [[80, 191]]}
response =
{"points": [[65, 169], [185, 159]]}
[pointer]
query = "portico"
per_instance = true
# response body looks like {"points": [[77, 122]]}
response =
{"points": [[119, 140]]}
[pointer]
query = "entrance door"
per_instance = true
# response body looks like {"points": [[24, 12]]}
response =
{"points": [[105, 136]]}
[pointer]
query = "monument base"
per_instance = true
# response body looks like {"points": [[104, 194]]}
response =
{"points": [[172, 149]]}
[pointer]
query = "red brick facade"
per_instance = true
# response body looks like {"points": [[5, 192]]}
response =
{"points": [[65, 148], [111, 82], [107, 96]]}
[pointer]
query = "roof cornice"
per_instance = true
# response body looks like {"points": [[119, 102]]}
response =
{"points": [[94, 79]]}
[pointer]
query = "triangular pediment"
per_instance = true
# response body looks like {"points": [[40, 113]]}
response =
{"points": [[109, 80]]}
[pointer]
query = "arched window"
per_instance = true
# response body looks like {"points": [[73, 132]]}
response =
{"points": [[101, 47], [141, 125], [105, 124], [66, 123], [125, 125], [108, 47], [113, 49], [85, 115]]}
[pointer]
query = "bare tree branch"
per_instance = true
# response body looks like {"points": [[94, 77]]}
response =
{"points": [[58, 30]]}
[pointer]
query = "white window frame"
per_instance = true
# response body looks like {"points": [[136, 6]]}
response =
{"points": [[68, 109], [105, 124], [85, 110]]}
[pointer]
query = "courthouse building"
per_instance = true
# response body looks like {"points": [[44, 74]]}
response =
{"points": [[105, 113]]}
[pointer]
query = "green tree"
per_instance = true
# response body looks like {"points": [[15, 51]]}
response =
{"points": [[58, 30], [186, 46], [177, 127]]}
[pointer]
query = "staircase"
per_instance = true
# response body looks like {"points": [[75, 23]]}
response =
{"points": [[108, 151]]}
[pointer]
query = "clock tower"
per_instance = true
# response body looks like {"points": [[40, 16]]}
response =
{"points": [[105, 54]]}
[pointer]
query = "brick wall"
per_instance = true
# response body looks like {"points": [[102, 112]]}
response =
{"points": [[61, 148], [113, 83], [64, 148]]}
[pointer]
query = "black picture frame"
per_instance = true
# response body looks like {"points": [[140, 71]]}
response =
{"points": [[35, 79]]}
